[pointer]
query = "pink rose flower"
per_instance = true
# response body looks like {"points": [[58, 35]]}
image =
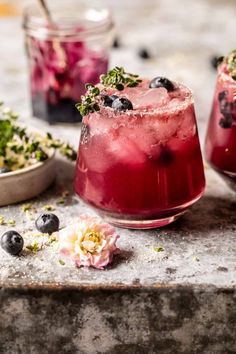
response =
{"points": [[89, 242]]}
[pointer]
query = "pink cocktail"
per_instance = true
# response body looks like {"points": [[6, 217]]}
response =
{"points": [[220, 146], [141, 167]]}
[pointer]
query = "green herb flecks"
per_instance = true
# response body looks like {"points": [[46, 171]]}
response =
{"points": [[116, 78], [19, 149], [34, 247], [61, 262], [158, 249], [48, 207]]}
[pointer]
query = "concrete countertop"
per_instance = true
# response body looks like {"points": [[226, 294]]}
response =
{"points": [[199, 249]]}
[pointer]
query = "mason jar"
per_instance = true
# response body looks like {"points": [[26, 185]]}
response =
{"points": [[63, 54]]}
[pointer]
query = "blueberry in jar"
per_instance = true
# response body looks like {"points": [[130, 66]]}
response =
{"points": [[122, 104], [161, 81], [47, 223], [12, 242]]}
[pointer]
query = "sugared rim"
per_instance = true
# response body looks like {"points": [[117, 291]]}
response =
{"points": [[225, 76], [96, 21], [153, 111]]}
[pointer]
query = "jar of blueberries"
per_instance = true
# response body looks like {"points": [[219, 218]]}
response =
{"points": [[64, 54]]}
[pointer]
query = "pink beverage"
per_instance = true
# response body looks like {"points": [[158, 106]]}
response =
{"points": [[63, 56], [220, 145], [141, 167]]}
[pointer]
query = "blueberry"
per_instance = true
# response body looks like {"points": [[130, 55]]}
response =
{"points": [[47, 223], [161, 81], [222, 95], [4, 170], [225, 123], [12, 242], [122, 104], [116, 43], [144, 53], [166, 156], [216, 60], [108, 100]]}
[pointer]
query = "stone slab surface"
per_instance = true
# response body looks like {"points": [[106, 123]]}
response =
{"points": [[181, 300]]}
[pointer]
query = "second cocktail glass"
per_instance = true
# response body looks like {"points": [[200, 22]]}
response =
{"points": [[140, 164], [220, 145]]}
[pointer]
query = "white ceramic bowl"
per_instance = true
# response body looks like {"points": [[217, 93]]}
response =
{"points": [[27, 182]]}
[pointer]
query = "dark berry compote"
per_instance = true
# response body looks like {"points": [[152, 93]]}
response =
{"points": [[140, 164], [220, 145]]}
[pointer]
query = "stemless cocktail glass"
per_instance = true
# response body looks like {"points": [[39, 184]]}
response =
{"points": [[220, 145], [141, 168], [63, 56]]}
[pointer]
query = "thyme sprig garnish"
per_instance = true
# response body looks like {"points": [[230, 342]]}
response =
{"points": [[19, 148], [231, 64], [119, 79], [89, 102], [116, 78]]}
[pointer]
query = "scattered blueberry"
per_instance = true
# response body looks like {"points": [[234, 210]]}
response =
{"points": [[161, 81], [116, 43], [4, 170], [108, 100], [47, 223], [144, 53], [122, 104], [12, 242]]}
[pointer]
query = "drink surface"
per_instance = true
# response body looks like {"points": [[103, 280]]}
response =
{"points": [[144, 162], [220, 146]]}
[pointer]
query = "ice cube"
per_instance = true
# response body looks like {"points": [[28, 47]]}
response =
{"points": [[125, 151], [152, 98]]}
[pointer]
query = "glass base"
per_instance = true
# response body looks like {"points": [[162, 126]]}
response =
{"points": [[228, 177], [141, 224]]}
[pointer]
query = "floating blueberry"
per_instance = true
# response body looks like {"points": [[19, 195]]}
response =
{"points": [[144, 53], [12, 242], [47, 223], [122, 104], [4, 170], [108, 100], [166, 156], [161, 81]]}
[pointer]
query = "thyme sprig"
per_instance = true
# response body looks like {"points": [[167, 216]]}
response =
{"points": [[89, 101], [18, 148], [116, 78]]}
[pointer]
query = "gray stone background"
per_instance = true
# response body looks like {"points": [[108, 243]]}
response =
{"points": [[181, 300]]}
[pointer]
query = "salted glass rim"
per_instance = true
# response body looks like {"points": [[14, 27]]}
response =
{"points": [[166, 110]]}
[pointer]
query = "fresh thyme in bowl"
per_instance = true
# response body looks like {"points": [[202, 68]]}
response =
{"points": [[116, 78], [19, 148]]}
